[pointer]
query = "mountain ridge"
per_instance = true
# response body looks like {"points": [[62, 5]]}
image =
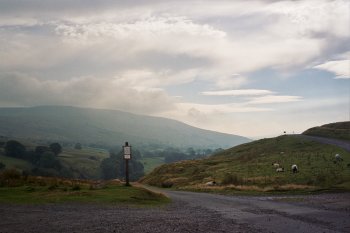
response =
{"points": [[104, 126]]}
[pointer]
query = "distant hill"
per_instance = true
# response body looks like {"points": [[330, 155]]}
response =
{"points": [[339, 130], [250, 167], [106, 127]]}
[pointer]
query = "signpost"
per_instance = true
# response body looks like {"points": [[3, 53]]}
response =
{"points": [[127, 157]]}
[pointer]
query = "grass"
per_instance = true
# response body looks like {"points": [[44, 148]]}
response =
{"points": [[151, 163], [84, 162], [248, 167], [339, 130], [11, 162], [40, 190]]}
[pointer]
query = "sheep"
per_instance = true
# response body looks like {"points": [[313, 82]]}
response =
{"points": [[276, 165], [338, 158], [294, 168], [210, 183], [280, 169]]}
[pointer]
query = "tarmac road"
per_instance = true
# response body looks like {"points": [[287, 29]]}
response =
{"points": [[189, 212], [314, 213]]}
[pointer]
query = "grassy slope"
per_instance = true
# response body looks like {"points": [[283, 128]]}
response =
{"points": [[251, 164], [85, 161], [15, 163], [151, 163], [339, 130]]}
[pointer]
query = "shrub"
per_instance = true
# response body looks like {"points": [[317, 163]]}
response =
{"points": [[167, 184], [76, 187]]}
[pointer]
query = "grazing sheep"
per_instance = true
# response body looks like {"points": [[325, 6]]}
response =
{"points": [[280, 169], [338, 158], [276, 164], [294, 168], [210, 183]]}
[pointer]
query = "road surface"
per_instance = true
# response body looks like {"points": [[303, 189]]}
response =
{"points": [[189, 212], [336, 142]]}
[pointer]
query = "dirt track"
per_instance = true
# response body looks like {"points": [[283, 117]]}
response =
{"points": [[189, 212]]}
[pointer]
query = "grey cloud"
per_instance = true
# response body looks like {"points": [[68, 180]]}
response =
{"points": [[21, 90]]}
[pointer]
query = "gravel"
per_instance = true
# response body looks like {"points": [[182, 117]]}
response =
{"points": [[175, 217]]}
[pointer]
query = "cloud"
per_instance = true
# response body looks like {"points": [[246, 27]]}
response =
{"points": [[272, 99], [340, 68], [242, 92], [21, 90]]}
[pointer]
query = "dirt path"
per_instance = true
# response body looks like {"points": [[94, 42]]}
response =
{"points": [[189, 212]]}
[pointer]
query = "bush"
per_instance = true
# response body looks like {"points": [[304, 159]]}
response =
{"points": [[167, 184], [76, 187], [14, 149]]}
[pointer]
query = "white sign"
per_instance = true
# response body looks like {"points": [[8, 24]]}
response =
{"points": [[127, 152]]}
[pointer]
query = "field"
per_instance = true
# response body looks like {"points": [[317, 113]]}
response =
{"points": [[38, 190], [19, 164], [249, 167], [151, 163], [84, 162]]}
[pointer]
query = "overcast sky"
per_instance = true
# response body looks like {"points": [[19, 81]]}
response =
{"points": [[253, 68]]}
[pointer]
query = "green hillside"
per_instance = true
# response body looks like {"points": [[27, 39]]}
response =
{"points": [[339, 130], [106, 128], [83, 163], [249, 167]]}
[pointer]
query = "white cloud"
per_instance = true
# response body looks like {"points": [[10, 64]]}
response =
{"points": [[340, 68], [271, 99], [242, 92], [125, 54]]}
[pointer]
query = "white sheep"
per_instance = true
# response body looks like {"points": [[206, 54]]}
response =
{"points": [[280, 169], [338, 158], [276, 164], [210, 183], [294, 168]]}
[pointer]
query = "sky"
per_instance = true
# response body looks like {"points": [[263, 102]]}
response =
{"points": [[251, 68]]}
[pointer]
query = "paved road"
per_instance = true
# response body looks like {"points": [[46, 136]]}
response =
{"points": [[320, 213], [189, 212], [336, 142]]}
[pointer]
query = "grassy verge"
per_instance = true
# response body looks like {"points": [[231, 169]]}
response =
{"points": [[40, 190]]}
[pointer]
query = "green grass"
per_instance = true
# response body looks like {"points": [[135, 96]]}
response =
{"points": [[116, 194], [18, 189], [15, 163], [339, 130], [151, 163], [250, 165], [85, 161]]}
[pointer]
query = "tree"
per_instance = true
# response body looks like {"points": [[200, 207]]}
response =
{"points": [[48, 160], [56, 148], [41, 149], [15, 149], [114, 166]]}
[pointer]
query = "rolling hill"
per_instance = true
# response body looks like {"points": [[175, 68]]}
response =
{"points": [[249, 167], [106, 127], [339, 130]]}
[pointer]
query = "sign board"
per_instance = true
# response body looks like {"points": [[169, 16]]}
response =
{"points": [[127, 152]]}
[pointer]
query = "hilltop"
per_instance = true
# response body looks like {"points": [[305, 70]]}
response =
{"points": [[249, 167], [107, 128], [339, 130]]}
